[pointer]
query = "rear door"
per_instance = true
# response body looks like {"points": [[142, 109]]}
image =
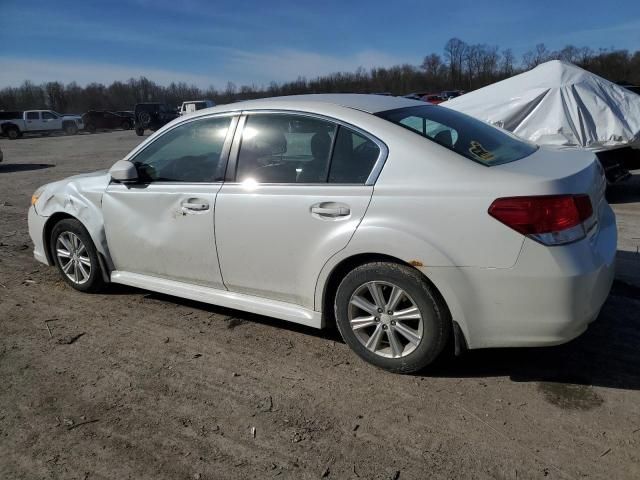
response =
{"points": [[33, 121], [163, 226], [297, 188]]}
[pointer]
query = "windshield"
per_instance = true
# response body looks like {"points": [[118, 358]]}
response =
{"points": [[465, 135]]}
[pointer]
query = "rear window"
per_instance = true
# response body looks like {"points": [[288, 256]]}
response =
{"points": [[465, 135]]}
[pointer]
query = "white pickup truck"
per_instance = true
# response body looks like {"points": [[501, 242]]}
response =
{"points": [[15, 124], [194, 105]]}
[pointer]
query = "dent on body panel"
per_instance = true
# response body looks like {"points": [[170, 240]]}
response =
{"points": [[84, 203]]}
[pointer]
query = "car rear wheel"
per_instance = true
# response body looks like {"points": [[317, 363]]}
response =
{"points": [[91, 128], [70, 129], [126, 125], [75, 256], [12, 133], [391, 317]]}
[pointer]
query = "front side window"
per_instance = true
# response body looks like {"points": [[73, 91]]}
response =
{"points": [[48, 116], [464, 135], [190, 152], [33, 116], [280, 148]]}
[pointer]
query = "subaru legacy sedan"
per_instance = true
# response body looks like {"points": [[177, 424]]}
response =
{"points": [[412, 227]]}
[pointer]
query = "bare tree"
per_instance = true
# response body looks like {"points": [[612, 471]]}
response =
{"points": [[455, 51], [507, 65], [535, 57]]}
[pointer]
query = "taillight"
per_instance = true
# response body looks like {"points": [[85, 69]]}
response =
{"points": [[548, 219]]}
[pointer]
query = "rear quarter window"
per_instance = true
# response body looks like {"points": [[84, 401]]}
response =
{"points": [[464, 135]]}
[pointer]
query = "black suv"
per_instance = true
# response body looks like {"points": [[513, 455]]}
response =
{"points": [[152, 116], [95, 119]]}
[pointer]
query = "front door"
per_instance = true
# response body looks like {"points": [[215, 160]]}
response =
{"points": [[300, 189], [163, 226], [50, 121]]}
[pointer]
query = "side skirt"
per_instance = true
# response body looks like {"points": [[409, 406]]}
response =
{"points": [[224, 298]]}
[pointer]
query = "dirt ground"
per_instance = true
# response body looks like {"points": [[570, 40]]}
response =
{"points": [[129, 384]]}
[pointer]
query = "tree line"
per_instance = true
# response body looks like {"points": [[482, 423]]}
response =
{"points": [[460, 66]]}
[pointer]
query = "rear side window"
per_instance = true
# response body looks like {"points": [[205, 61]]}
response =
{"points": [[283, 148], [33, 116], [464, 135], [354, 156], [287, 148]]}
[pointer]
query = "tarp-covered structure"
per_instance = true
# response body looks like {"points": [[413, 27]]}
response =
{"points": [[558, 103]]}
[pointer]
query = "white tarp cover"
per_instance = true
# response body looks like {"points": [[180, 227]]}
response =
{"points": [[558, 103]]}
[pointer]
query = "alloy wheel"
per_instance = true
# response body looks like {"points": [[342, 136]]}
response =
{"points": [[73, 257], [385, 319]]}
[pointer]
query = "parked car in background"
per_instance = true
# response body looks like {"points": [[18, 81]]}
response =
{"points": [[195, 105], [407, 223], [579, 109], [633, 88], [126, 113], [152, 116], [101, 120], [15, 124], [429, 97], [449, 94], [432, 98]]}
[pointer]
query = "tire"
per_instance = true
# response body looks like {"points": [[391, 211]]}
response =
{"points": [[126, 125], [70, 129], [12, 133], [83, 271], [139, 131], [417, 342], [91, 128], [144, 118]]}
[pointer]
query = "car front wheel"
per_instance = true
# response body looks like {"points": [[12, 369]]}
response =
{"points": [[76, 256], [391, 316]]}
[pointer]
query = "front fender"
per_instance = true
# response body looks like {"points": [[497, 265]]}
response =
{"points": [[81, 198]]}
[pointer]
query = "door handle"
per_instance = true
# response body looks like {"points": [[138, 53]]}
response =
{"points": [[336, 211], [195, 206]]}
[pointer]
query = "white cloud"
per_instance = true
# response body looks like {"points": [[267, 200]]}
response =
{"points": [[14, 71], [289, 64], [239, 66]]}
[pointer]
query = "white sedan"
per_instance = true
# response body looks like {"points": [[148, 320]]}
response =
{"points": [[412, 227]]}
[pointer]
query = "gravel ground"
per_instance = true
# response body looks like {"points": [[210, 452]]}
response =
{"points": [[132, 384]]}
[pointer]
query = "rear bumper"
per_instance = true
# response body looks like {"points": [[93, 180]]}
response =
{"points": [[36, 230], [547, 298]]}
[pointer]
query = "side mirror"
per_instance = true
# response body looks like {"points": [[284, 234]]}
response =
{"points": [[124, 172]]}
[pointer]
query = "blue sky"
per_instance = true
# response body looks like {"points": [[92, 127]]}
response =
{"points": [[212, 42]]}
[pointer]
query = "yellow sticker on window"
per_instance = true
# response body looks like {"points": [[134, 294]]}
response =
{"points": [[479, 151]]}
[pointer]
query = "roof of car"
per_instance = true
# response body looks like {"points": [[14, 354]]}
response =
{"points": [[365, 102]]}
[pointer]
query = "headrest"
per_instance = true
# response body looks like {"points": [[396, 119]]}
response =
{"points": [[268, 141], [320, 145]]}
